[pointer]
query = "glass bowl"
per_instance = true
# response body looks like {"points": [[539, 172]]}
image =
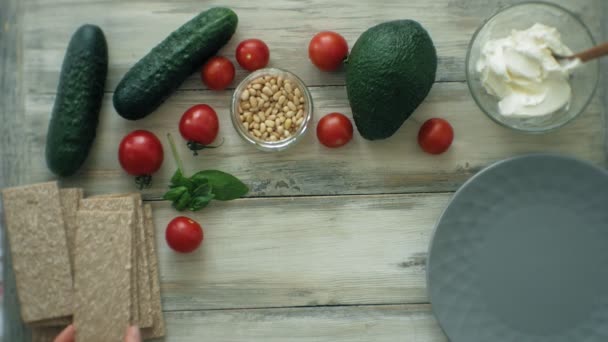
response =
{"points": [[271, 146], [574, 34]]}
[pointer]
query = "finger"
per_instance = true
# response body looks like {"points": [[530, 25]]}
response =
{"points": [[133, 334], [67, 335]]}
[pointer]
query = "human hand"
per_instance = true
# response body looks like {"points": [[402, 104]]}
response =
{"points": [[69, 334]]}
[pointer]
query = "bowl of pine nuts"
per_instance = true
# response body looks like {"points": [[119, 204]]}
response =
{"points": [[271, 109]]}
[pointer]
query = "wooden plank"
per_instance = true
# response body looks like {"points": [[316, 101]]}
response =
{"points": [[411, 323], [134, 27], [11, 110], [303, 251], [395, 165]]}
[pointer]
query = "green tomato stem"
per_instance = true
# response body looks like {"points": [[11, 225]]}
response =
{"points": [[178, 161]]}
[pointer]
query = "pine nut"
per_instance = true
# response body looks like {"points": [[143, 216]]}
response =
{"points": [[269, 123], [276, 96], [257, 86], [256, 118], [282, 119], [269, 130], [262, 126], [288, 123], [246, 125], [266, 90], [282, 99], [257, 133], [275, 110], [291, 106], [299, 121], [300, 114], [268, 111], [277, 122], [288, 87], [246, 105], [285, 109], [274, 88], [297, 92], [272, 117], [256, 125], [273, 138], [286, 133], [273, 81], [296, 100], [253, 102], [280, 129], [264, 135], [264, 96], [245, 95], [280, 81], [290, 114], [262, 116]]}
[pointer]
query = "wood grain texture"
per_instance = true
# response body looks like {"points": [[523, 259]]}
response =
{"points": [[395, 165], [303, 251], [11, 108], [391, 323], [134, 27]]}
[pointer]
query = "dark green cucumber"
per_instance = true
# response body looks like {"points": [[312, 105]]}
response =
{"points": [[153, 78], [79, 94]]}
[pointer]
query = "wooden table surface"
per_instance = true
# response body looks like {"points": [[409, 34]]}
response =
{"points": [[330, 245]]}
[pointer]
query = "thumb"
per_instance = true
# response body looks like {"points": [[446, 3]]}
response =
{"points": [[133, 334]]}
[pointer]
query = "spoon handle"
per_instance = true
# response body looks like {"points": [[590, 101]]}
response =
{"points": [[593, 53]]}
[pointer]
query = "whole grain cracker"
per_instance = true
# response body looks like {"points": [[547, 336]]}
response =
{"points": [[55, 322], [158, 328], [126, 204], [142, 265], [103, 257], [38, 246], [69, 206], [47, 334]]}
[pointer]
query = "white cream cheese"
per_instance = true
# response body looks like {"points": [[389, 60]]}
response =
{"points": [[521, 71]]}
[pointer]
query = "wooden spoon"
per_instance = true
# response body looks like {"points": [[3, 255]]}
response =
{"points": [[587, 55]]}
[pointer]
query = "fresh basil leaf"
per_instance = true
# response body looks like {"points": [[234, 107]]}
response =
{"points": [[178, 179], [201, 190], [175, 193], [199, 179], [200, 202], [224, 186], [183, 202]]}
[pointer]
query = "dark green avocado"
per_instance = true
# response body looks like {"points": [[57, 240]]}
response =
{"points": [[153, 78], [389, 72]]}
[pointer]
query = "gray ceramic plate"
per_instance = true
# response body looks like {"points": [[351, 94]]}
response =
{"points": [[521, 254]]}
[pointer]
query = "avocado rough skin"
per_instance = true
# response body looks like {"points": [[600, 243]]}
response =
{"points": [[389, 72], [154, 77], [80, 91]]}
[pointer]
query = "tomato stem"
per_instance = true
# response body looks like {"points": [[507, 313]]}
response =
{"points": [[195, 146], [143, 181], [178, 161]]}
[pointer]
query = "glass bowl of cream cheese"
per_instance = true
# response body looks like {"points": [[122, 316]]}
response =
{"points": [[512, 72]]}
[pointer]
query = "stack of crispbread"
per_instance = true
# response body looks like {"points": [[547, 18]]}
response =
{"points": [[91, 262]]}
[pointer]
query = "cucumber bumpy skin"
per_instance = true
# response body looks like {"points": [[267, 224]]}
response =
{"points": [[80, 91], [153, 78]]}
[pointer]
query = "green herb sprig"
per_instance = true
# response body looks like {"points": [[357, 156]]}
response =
{"points": [[195, 192]]}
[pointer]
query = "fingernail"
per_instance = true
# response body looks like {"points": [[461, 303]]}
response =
{"points": [[134, 333]]}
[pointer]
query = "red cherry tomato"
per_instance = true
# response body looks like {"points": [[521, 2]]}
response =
{"points": [[199, 124], [334, 130], [183, 234], [140, 153], [252, 54], [327, 50], [435, 136], [218, 73]]}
